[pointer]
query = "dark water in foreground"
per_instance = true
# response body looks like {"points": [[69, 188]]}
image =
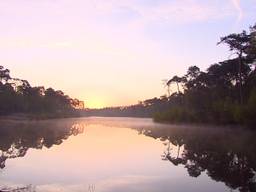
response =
{"points": [[124, 155]]}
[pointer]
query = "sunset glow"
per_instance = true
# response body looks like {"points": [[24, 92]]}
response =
{"points": [[95, 103]]}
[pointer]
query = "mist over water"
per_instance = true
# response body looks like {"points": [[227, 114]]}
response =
{"points": [[124, 154]]}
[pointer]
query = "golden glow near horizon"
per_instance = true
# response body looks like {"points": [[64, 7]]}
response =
{"points": [[95, 103]]}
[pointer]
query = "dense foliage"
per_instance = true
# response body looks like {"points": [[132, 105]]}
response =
{"points": [[225, 93], [18, 96]]}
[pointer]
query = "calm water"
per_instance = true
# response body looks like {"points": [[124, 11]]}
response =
{"points": [[124, 155]]}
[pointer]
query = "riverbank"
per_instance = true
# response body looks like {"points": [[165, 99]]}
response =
{"points": [[180, 118]]}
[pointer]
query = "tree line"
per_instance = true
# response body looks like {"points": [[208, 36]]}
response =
{"points": [[145, 108], [223, 94], [17, 96]]}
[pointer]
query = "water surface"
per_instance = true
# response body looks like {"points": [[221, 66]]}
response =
{"points": [[125, 154]]}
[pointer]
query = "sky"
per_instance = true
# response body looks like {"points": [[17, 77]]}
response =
{"points": [[115, 52]]}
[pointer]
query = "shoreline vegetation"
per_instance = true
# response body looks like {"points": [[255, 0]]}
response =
{"points": [[20, 100], [224, 94]]}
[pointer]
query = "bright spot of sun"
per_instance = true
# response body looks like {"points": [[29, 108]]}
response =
{"points": [[94, 103]]}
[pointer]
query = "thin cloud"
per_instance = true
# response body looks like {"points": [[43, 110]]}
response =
{"points": [[237, 5], [185, 11]]}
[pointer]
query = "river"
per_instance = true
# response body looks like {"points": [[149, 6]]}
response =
{"points": [[99, 154]]}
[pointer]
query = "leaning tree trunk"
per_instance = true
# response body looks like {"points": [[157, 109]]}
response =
{"points": [[178, 87], [168, 90], [240, 77]]}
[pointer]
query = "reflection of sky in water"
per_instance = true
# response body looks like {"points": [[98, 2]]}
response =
{"points": [[108, 157], [138, 184]]}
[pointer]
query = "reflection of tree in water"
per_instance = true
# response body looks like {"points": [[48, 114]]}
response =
{"points": [[17, 138], [227, 155], [169, 154]]}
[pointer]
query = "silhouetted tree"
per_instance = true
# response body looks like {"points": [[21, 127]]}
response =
{"points": [[18, 96], [177, 80], [238, 44], [211, 96]]}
